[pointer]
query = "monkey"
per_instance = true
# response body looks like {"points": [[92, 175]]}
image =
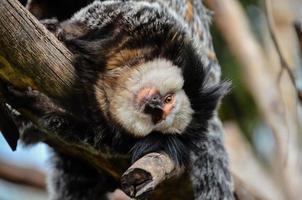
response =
{"points": [[142, 86]]}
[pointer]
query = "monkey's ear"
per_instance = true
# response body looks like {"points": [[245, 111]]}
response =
{"points": [[8, 127], [62, 10]]}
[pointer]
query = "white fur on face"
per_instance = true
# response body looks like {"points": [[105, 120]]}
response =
{"points": [[179, 118], [166, 78]]}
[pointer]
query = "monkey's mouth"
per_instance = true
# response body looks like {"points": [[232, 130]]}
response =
{"points": [[151, 103], [155, 111]]}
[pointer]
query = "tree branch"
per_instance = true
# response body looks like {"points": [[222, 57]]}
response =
{"points": [[272, 32], [21, 175]]}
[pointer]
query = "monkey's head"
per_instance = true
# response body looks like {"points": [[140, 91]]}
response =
{"points": [[152, 99], [150, 76]]}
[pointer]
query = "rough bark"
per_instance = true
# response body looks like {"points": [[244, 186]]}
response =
{"points": [[30, 55]]}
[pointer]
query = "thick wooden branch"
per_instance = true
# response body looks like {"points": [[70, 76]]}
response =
{"points": [[32, 56]]}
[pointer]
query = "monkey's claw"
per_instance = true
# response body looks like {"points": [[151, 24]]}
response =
{"points": [[21, 98], [53, 25], [137, 183]]}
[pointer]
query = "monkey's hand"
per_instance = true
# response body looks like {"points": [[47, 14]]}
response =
{"points": [[49, 116], [45, 111], [32, 100]]}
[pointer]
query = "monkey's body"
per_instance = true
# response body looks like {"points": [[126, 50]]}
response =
{"points": [[117, 46], [111, 41]]}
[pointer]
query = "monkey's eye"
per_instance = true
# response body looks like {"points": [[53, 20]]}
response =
{"points": [[168, 98]]}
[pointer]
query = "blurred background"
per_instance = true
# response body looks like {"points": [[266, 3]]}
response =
{"points": [[258, 47], [22, 172]]}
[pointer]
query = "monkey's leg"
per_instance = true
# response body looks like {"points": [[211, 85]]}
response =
{"points": [[49, 114], [73, 179], [23, 128], [210, 175], [12, 123]]}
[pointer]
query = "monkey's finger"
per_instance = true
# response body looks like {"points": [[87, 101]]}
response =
{"points": [[53, 25]]}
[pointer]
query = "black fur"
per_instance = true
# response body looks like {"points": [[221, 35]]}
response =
{"points": [[74, 179], [8, 127], [45, 9]]}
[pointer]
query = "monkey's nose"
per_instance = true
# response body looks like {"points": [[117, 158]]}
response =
{"points": [[155, 100]]}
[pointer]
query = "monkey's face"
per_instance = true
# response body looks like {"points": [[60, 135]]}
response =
{"points": [[151, 98]]}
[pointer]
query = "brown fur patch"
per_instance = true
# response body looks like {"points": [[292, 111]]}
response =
{"points": [[37, 9], [212, 55], [107, 83], [74, 30], [125, 57], [189, 12]]}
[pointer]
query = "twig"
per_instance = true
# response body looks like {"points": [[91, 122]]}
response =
{"points": [[271, 28], [21, 175]]}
